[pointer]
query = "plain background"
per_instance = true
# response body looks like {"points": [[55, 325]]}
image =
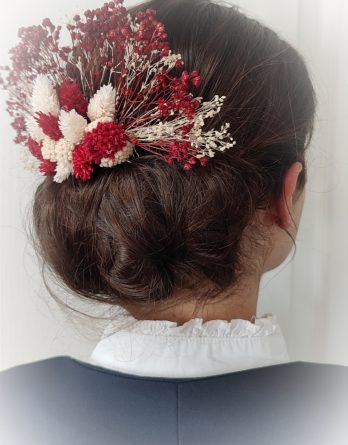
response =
{"points": [[308, 293]]}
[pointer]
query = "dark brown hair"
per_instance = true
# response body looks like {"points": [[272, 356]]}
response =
{"points": [[135, 232]]}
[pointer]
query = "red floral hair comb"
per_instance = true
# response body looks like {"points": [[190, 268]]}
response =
{"points": [[91, 103]]}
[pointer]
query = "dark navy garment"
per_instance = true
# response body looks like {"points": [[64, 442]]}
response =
{"points": [[62, 400]]}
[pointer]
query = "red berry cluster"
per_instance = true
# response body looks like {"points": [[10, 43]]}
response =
{"points": [[183, 152], [181, 99], [111, 24]]}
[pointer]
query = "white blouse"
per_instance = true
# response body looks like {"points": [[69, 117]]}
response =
{"points": [[197, 348]]}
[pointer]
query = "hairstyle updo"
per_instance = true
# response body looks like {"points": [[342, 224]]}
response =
{"points": [[135, 232]]}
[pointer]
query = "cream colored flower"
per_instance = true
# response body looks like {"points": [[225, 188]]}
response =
{"points": [[34, 129], [44, 97], [102, 104], [72, 125]]}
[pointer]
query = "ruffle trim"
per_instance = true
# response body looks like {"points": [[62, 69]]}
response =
{"points": [[265, 325]]}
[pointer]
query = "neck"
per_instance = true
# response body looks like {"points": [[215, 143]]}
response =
{"points": [[233, 303]]}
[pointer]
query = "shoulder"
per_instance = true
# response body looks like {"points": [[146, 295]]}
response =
{"points": [[35, 372], [33, 396], [34, 382], [38, 382]]}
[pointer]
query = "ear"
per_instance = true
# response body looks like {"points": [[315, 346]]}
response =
{"points": [[284, 206]]}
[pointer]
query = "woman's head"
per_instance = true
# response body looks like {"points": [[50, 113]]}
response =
{"points": [[140, 233]]}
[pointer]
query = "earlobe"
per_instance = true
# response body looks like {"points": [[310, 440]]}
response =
{"points": [[285, 203]]}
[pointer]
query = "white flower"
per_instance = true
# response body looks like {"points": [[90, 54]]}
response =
{"points": [[64, 154], [34, 129], [64, 150], [63, 171], [72, 125], [44, 97], [102, 104], [48, 149], [57, 151]]}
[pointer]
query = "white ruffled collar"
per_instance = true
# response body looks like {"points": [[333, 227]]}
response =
{"points": [[163, 348], [197, 327]]}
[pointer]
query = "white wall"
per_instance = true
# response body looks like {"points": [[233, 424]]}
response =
{"points": [[309, 295]]}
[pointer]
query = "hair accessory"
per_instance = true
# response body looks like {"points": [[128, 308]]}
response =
{"points": [[112, 89]]}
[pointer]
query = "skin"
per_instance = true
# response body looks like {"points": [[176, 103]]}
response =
{"points": [[241, 302]]}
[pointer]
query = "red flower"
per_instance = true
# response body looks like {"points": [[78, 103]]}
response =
{"points": [[71, 98], [49, 125], [47, 167], [82, 164], [180, 150], [183, 152], [204, 160], [104, 141], [35, 148]]}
